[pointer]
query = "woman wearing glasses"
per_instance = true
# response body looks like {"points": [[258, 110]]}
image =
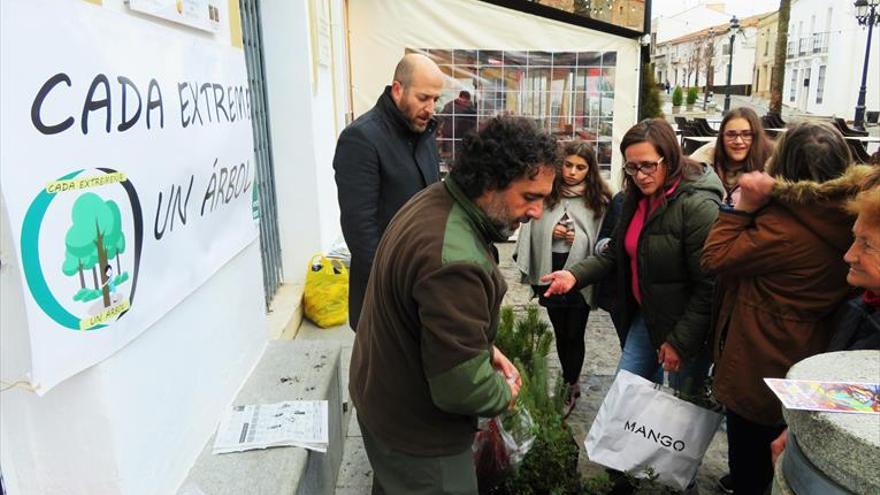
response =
{"points": [[741, 147], [779, 258], [664, 298], [564, 235]]}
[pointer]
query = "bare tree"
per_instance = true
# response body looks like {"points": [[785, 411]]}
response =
{"points": [[699, 56], [693, 62], [709, 54]]}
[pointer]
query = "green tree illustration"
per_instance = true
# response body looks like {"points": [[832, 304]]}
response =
{"points": [[94, 238]]}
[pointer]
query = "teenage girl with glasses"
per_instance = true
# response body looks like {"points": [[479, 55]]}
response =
{"points": [[741, 147]]}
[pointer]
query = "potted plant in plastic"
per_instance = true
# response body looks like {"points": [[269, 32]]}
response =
{"points": [[550, 466]]}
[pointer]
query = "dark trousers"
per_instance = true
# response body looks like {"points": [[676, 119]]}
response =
{"points": [[568, 315], [569, 325], [748, 454], [397, 473]]}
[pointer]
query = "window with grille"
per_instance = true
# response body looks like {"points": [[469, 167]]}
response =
{"points": [[570, 94], [792, 87], [270, 244]]}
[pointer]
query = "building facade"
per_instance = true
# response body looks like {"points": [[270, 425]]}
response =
{"points": [[825, 59], [765, 54], [702, 58]]}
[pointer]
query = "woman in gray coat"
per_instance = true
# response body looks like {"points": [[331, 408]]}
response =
{"points": [[564, 235]]}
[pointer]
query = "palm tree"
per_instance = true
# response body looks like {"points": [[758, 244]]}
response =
{"points": [[777, 76]]}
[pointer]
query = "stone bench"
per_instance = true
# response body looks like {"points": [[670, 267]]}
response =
{"points": [[842, 449], [288, 370]]}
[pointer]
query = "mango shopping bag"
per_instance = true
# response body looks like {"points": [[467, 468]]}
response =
{"points": [[641, 427]]}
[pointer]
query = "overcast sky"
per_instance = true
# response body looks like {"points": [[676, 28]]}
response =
{"points": [[741, 8]]}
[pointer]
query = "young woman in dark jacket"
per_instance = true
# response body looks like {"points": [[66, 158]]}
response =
{"points": [[663, 296], [781, 274]]}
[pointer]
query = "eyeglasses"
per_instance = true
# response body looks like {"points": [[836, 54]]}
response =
{"points": [[732, 135], [647, 168]]}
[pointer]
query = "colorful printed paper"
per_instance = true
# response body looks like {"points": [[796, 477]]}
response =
{"points": [[811, 395]]}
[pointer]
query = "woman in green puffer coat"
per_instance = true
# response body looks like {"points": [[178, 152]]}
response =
{"points": [[664, 298]]}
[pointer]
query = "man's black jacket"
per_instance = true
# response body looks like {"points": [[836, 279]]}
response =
{"points": [[380, 163]]}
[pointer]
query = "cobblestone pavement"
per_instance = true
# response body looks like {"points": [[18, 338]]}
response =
{"points": [[602, 354]]}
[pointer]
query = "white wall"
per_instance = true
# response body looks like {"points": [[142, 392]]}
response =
{"points": [[687, 21], [135, 422], [743, 58], [304, 123]]}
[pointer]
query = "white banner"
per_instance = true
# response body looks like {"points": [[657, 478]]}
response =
{"points": [[127, 167]]}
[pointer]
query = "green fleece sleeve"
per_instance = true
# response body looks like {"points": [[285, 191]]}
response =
{"points": [[471, 388], [455, 304]]}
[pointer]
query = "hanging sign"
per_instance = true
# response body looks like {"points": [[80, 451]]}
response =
{"points": [[127, 167]]}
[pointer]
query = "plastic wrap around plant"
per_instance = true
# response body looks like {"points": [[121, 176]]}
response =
{"points": [[500, 446]]}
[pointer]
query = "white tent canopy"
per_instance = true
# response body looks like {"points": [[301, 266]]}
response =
{"points": [[381, 31]]}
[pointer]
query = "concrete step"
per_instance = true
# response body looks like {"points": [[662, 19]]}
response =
{"points": [[288, 370]]}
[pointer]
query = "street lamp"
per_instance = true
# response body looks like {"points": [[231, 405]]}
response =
{"points": [[734, 25], [866, 14], [709, 52]]}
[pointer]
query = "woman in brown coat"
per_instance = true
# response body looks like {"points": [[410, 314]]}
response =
{"points": [[778, 257]]}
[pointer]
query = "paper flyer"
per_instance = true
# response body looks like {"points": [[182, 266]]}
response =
{"points": [[300, 423], [841, 397]]}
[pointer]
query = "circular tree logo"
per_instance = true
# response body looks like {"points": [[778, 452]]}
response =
{"points": [[81, 245]]}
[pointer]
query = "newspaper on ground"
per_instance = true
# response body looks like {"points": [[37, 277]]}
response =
{"points": [[299, 423], [812, 395]]}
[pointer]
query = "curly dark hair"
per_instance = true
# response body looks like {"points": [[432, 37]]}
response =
{"points": [[504, 150]]}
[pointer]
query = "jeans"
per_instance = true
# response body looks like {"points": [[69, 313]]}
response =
{"points": [[640, 357]]}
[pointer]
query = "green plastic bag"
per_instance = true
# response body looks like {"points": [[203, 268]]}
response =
{"points": [[326, 294]]}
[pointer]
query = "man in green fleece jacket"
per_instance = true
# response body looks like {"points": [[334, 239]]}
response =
{"points": [[424, 366]]}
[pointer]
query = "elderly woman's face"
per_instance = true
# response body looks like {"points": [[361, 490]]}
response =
{"points": [[863, 257]]}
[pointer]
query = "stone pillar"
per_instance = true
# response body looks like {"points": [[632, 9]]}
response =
{"points": [[832, 453]]}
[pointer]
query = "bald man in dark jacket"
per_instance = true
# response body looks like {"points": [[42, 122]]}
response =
{"points": [[382, 159]]}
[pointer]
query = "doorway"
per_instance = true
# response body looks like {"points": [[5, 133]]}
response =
{"points": [[803, 96]]}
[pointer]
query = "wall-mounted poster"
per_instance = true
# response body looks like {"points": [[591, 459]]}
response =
{"points": [[126, 159]]}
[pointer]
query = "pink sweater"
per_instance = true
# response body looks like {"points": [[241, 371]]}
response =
{"points": [[634, 231]]}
